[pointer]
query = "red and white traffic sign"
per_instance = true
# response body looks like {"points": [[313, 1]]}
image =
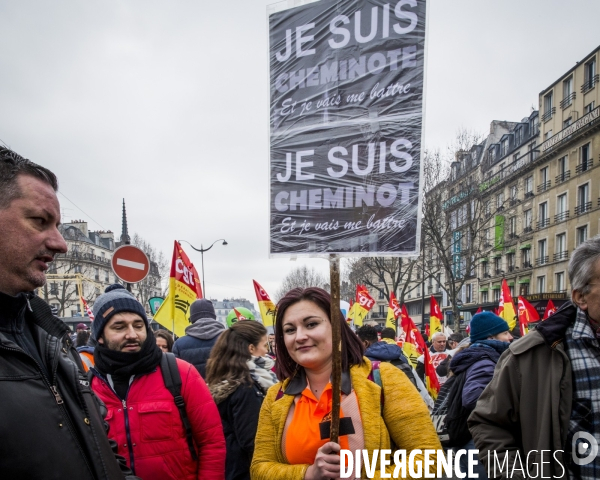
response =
{"points": [[130, 264]]}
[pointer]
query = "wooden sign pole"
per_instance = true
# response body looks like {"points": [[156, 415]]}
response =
{"points": [[336, 371]]}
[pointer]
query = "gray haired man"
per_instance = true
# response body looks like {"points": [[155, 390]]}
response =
{"points": [[542, 408], [50, 422]]}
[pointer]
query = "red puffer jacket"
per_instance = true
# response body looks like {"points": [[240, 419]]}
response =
{"points": [[149, 432]]}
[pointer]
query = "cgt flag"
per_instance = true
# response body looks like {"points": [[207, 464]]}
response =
{"points": [[265, 305], [527, 314], [414, 345], [239, 315], [394, 312], [435, 317], [550, 309], [184, 289], [363, 304], [506, 306], [431, 379]]}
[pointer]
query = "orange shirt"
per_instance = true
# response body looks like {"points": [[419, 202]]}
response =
{"points": [[303, 437]]}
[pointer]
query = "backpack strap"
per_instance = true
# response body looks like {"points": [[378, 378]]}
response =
{"points": [[172, 379], [375, 376]]}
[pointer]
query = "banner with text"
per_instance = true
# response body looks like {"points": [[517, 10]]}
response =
{"points": [[346, 117]]}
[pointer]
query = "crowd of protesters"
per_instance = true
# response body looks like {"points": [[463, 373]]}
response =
{"points": [[124, 401]]}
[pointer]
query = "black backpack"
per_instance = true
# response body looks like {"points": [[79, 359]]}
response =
{"points": [[457, 415], [172, 379]]}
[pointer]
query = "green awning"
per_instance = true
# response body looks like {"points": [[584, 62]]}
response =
{"points": [[511, 283], [497, 255], [484, 289], [496, 287], [484, 260], [512, 250], [525, 247], [524, 280]]}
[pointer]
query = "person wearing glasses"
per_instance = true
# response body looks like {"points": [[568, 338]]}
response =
{"points": [[543, 403]]}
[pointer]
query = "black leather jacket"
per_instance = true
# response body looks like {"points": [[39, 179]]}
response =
{"points": [[51, 424]]}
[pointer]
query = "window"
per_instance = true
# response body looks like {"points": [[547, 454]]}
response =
{"points": [[527, 220], [504, 146], [561, 246], [529, 185], [567, 122], [54, 288], [492, 153], [534, 125], [469, 293], [585, 158], [543, 175], [589, 107], [590, 76], [500, 201], [559, 280], [548, 107], [567, 92], [103, 254], [526, 257], [583, 205], [581, 234], [541, 284], [563, 167], [96, 274], [484, 297], [77, 268], [105, 275], [380, 295], [542, 257], [512, 226], [381, 310], [510, 261], [547, 134], [561, 208], [497, 265], [543, 220], [513, 193], [524, 289], [496, 295], [73, 313], [518, 135]]}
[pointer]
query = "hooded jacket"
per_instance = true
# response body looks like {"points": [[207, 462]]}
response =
{"points": [[527, 405], [199, 339], [51, 424], [148, 429], [478, 361]]}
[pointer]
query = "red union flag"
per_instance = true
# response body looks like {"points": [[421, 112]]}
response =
{"points": [[265, 305], [414, 345], [550, 309], [394, 312], [363, 304], [184, 289], [506, 307], [527, 314], [435, 317], [88, 310], [239, 315]]}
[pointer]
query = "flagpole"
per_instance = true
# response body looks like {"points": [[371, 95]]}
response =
{"points": [[336, 371]]}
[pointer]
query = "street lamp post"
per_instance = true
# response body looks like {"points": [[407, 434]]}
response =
{"points": [[202, 250]]}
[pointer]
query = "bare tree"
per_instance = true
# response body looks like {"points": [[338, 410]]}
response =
{"points": [[303, 277], [159, 270], [383, 274]]}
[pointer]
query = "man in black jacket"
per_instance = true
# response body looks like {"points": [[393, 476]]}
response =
{"points": [[50, 422]]}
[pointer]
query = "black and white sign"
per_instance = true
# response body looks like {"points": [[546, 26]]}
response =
{"points": [[346, 82]]}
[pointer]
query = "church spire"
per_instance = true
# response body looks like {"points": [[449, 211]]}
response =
{"points": [[125, 239]]}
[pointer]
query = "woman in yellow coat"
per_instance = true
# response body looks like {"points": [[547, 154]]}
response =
{"points": [[292, 437]]}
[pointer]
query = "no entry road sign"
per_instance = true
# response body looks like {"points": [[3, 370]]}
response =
{"points": [[130, 264]]}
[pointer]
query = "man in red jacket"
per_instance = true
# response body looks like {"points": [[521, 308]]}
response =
{"points": [[142, 414]]}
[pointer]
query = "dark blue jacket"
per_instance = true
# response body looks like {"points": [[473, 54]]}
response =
{"points": [[479, 361], [385, 352], [194, 351]]}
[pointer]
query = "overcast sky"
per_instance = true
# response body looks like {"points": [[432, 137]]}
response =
{"points": [[165, 104]]}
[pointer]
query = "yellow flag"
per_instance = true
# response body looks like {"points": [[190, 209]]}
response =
{"points": [[506, 306], [184, 289], [393, 313], [266, 306], [435, 317], [364, 302]]}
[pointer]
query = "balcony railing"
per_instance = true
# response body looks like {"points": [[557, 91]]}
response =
{"points": [[511, 268], [568, 100], [526, 264], [529, 229], [542, 187], [513, 201], [543, 223], [499, 271], [584, 166], [559, 217], [561, 255], [529, 194], [563, 177], [583, 208], [486, 275], [513, 235], [84, 256], [548, 115], [542, 260], [590, 83], [501, 208]]}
